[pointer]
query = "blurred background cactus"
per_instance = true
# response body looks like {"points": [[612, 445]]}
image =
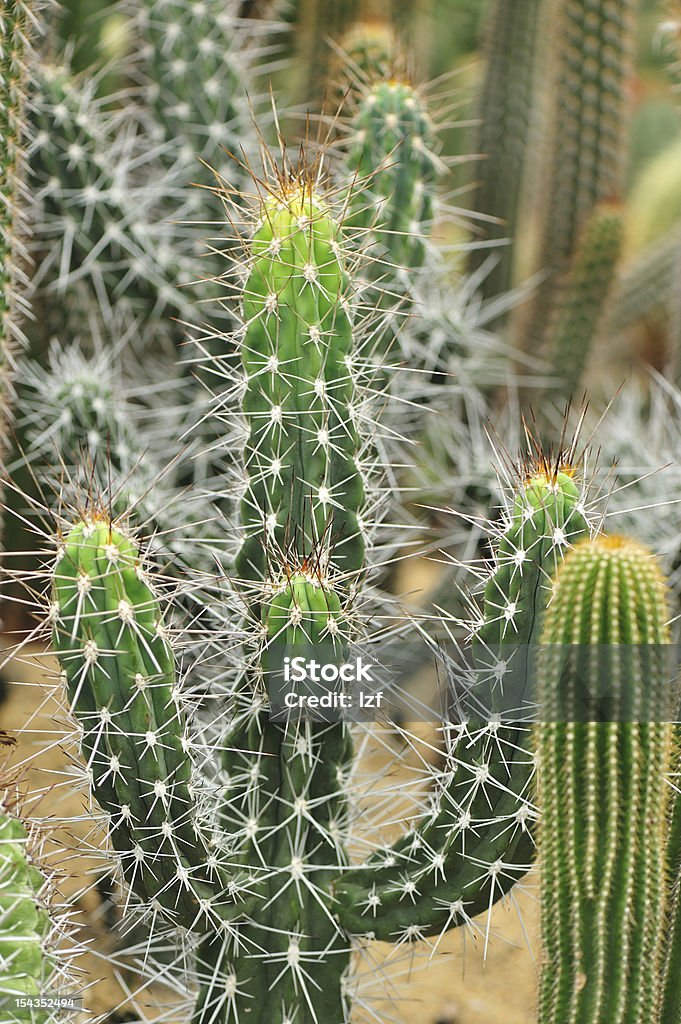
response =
{"points": [[272, 403]]}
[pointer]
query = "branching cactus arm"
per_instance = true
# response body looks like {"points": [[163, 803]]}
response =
{"points": [[112, 646], [477, 841], [393, 162]]}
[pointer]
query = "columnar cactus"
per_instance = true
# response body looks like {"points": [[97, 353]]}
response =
{"points": [[594, 43], [671, 975], [185, 43], [305, 483], [19, 21], [604, 749], [477, 840], [113, 646], [94, 426], [506, 108], [301, 559], [583, 296], [392, 155]]}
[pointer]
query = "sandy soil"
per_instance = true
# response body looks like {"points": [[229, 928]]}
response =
{"points": [[483, 976]]}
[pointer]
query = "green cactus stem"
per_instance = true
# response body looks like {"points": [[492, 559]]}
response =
{"points": [[602, 786], [186, 43], [26, 966], [112, 645], [103, 195], [285, 786], [300, 406], [671, 978], [506, 107], [303, 551], [392, 154], [594, 44], [584, 295], [19, 23], [477, 842]]}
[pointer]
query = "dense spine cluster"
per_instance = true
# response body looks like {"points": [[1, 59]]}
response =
{"points": [[92, 176], [477, 840], [186, 43], [304, 543], [392, 154], [602, 785]]}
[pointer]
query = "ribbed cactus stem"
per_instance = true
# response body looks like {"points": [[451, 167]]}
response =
{"points": [[505, 110], [285, 780], [671, 968], [103, 194], [392, 156], [114, 650], [477, 842], [19, 22], [304, 481], [594, 45], [602, 789], [584, 295], [286, 783]]}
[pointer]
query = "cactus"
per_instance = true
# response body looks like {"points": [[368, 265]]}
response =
{"points": [[392, 153], [95, 422], [477, 841], [196, 124], [92, 174], [106, 441], [602, 785], [594, 40], [671, 989], [26, 962], [506, 108], [19, 22], [302, 450], [110, 638], [584, 295], [392, 156]]}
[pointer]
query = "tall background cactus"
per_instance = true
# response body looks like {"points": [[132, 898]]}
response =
{"points": [[19, 25]]}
